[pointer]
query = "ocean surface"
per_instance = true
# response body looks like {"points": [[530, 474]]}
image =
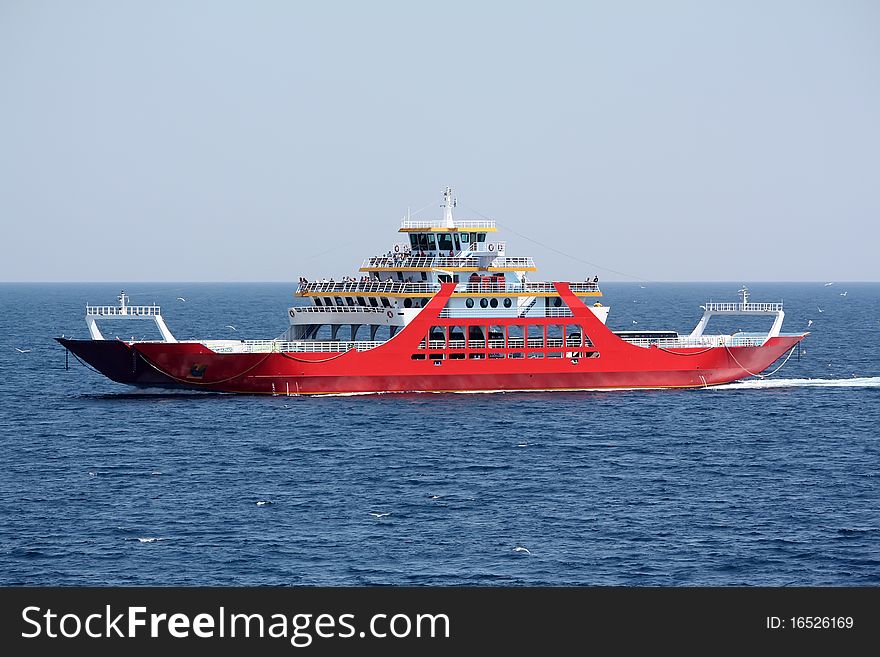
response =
{"points": [[765, 482]]}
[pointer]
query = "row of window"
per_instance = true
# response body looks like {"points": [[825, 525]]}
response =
{"points": [[373, 302], [528, 335], [574, 356], [442, 241], [488, 303]]}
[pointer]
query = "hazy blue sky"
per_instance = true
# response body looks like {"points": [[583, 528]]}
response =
{"points": [[261, 141]]}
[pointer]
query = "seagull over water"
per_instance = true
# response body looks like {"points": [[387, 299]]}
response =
{"points": [[22, 351], [843, 294], [819, 309], [380, 515], [827, 284], [181, 299], [809, 322], [231, 327], [521, 549]]}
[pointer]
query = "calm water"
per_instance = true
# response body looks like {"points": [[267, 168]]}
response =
{"points": [[766, 482]]}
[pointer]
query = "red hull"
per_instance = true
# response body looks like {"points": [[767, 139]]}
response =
{"points": [[390, 367]]}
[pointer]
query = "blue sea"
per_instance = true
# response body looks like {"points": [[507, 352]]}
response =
{"points": [[768, 482]]}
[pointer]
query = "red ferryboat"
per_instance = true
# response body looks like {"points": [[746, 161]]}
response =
{"points": [[445, 311]]}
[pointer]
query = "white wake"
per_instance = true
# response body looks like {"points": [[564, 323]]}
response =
{"points": [[854, 382]]}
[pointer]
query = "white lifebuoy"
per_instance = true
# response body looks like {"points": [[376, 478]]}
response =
{"points": [[292, 312], [390, 314], [491, 246], [397, 248]]}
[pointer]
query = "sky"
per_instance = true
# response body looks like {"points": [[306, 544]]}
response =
{"points": [[266, 140]]}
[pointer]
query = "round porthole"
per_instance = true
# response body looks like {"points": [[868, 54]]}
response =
{"points": [[469, 303], [407, 303], [507, 302], [557, 302], [493, 302], [484, 303]]}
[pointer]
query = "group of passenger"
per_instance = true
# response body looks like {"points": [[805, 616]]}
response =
{"points": [[399, 256]]}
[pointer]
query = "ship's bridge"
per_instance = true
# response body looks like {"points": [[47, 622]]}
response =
{"points": [[448, 236]]}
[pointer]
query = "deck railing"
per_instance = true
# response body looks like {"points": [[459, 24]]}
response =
{"points": [[126, 311], [704, 341], [742, 307], [438, 223], [339, 309], [378, 287], [295, 346], [442, 262], [504, 312], [418, 262], [570, 343], [484, 285]]}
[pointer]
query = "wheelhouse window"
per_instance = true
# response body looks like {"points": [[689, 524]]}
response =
{"points": [[414, 240], [481, 237], [432, 243], [318, 301], [444, 241], [465, 238]]}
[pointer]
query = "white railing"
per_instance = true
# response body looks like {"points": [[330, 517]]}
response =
{"points": [[704, 341], [546, 286], [442, 262], [486, 284], [479, 312], [126, 311], [740, 307], [512, 343], [419, 262], [379, 287], [296, 346], [503, 312], [439, 223], [338, 309], [511, 263], [555, 312]]}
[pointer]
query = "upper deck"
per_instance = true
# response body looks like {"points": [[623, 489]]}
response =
{"points": [[484, 286], [408, 262], [438, 225]]}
